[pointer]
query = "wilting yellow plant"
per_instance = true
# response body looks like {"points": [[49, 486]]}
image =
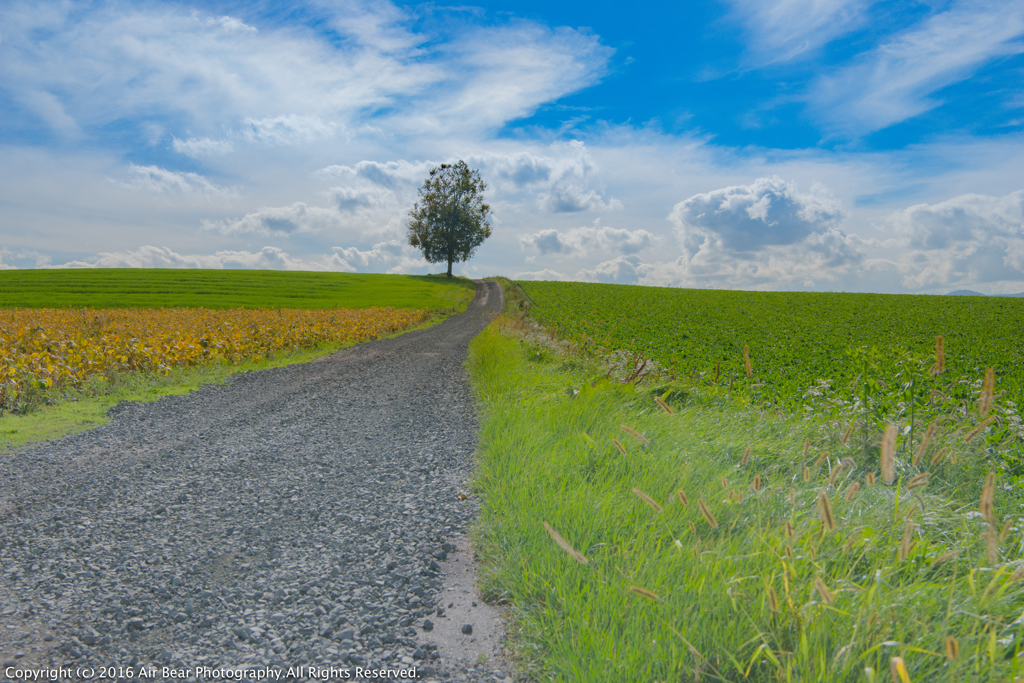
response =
{"points": [[898, 670], [53, 349]]}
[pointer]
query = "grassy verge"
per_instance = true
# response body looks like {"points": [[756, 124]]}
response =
{"points": [[86, 407], [724, 543]]}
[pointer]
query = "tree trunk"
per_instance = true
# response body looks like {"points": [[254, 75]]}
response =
{"points": [[449, 267]]}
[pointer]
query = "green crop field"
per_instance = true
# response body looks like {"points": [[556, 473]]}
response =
{"points": [[796, 339], [193, 288]]}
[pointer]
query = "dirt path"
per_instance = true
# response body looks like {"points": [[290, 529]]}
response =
{"points": [[294, 517]]}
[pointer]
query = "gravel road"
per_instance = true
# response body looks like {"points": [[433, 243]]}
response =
{"points": [[293, 517]]}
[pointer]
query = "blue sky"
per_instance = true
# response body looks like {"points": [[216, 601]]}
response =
{"points": [[789, 145]]}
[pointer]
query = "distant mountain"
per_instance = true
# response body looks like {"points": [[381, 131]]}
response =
{"points": [[971, 292]]}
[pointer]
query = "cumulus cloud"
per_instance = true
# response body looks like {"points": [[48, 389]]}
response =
{"points": [[564, 181], [391, 256], [160, 181], [577, 241], [621, 270], [746, 235], [278, 221], [390, 174], [969, 239]]}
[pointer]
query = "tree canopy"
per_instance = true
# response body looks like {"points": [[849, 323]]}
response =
{"points": [[450, 220]]}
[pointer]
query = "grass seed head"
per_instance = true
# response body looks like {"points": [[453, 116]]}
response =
{"points": [[693, 527], [681, 494], [940, 356], [848, 433], [807, 474], [917, 481], [821, 458], [823, 590], [988, 497], [988, 388], [650, 595], [980, 428], [939, 456], [664, 406], [746, 457], [618, 444], [869, 479], [992, 543], [898, 670], [926, 441], [836, 471], [945, 557], [792, 496], [756, 484], [565, 545], [851, 492], [725, 483], [907, 541], [952, 648], [789, 552], [807, 446], [889, 453], [647, 499], [773, 600], [825, 511], [704, 510], [635, 434], [746, 361], [789, 529]]}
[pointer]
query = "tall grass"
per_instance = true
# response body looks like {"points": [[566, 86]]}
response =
{"points": [[735, 544]]}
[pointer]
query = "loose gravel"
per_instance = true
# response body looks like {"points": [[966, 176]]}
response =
{"points": [[292, 517]]}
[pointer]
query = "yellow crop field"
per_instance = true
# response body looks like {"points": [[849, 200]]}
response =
{"points": [[47, 350]]}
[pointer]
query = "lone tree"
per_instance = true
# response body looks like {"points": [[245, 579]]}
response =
{"points": [[450, 219]]}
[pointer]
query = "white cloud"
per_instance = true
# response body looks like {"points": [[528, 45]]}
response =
{"points": [[894, 81], [577, 241], [147, 256], [279, 221], [160, 181], [564, 181], [87, 65], [785, 29], [279, 130], [391, 256], [623, 270], [545, 274], [765, 232], [971, 239]]}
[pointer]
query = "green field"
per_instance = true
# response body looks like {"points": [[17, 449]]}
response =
{"points": [[193, 288], [795, 338]]}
